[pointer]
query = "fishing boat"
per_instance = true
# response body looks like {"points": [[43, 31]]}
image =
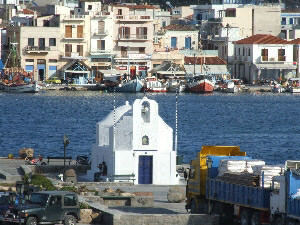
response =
{"points": [[15, 79], [229, 87], [21, 87], [133, 86], [200, 84], [152, 84], [176, 85]]}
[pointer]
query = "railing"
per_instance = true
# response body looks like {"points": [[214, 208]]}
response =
{"points": [[73, 54], [74, 17], [132, 37], [74, 35], [134, 17], [101, 32], [281, 58], [37, 48], [100, 51]]}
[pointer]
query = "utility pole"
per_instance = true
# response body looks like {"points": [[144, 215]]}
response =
{"points": [[227, 27]]}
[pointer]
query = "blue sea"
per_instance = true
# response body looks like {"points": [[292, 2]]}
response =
{"points": [[266, 126]]}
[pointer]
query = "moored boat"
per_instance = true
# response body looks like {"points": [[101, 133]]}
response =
{"points": [[133, 86], [200, 84], [21, 88], [229, 87], [152, 84]]}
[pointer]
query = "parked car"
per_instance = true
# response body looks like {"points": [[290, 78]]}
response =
{"points": [[46, 207], [6, 201], [53, 80]]}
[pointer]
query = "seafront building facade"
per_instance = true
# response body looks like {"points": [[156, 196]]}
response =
{"points": [[91, 37]]}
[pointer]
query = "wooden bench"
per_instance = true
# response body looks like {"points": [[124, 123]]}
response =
{"points": [[123, 177], [56, 158]]}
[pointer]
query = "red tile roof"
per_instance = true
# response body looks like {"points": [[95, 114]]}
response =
{"points": [[208, 60], [262, 39], [176, 27], [137, 6], [295, 42], [27, 11]]}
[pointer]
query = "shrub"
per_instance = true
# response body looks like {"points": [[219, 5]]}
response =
{"points": [[42, 181]]}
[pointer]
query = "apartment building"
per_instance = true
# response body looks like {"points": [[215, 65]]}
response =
{"points": [[263, 56], [38, 48], [133, 37], [74, 46], [290, 24]]}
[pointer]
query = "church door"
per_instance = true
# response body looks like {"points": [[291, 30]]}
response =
{"points": [[145, 169]]}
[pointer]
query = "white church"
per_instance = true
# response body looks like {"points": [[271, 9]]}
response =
{"points": [[136, 145]]}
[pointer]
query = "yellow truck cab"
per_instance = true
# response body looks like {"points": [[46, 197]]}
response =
{"points": [[196, 180]]}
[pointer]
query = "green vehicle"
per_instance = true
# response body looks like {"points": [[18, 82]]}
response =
{"points": [[46, 207]]}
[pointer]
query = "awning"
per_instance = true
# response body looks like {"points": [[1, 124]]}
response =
{"points": [[273, 66], [170, 72], [162, 67], [68, 67], [102, 56], [1, 65], [113, 71]]}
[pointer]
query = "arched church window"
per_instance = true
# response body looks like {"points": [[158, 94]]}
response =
{"points": [[145, 111], [145, 140]]}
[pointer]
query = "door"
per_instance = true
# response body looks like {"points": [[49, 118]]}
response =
{"points": [[41, 43], [68, 29], [145, 169], [53, 209], [79, 31], [188, 42], [41, 71]]}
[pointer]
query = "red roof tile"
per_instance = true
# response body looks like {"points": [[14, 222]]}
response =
{"points": [[295, 42], [209, 60], [137, 6], [176, 27], [262, 39], [27, 11]]}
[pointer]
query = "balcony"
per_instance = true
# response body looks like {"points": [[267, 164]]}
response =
{"points": [[74, 36], [100, 33], [100, 51], [37, 49], [101, 15], [132, 37], [73, 18], [278, 59], [73, 55], [137, 18]]}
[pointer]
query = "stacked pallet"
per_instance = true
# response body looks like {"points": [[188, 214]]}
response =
{"points": [[245, 178], [238, 166], [269, 172]]}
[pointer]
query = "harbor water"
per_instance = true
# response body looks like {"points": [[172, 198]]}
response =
{"points": [[266, 126]]}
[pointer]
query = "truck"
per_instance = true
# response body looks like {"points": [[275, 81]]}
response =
{"points": [[45, 207], [244, 197]]}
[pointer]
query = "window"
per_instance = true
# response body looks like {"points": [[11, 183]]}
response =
{"points": [[100, 44], [70, 200], [230, 13], [283, 21], [52, 60], [145, 140], [141, 32], [192, 172], [80, 50], [52, 41], [119, 12], [68, 50], [281, 54], [249, 52], [142, 50], [291, 20], [145, 111], [124, 32], [55, 201], [264, 54], [101, 27], [68, 31], [173, 42], [164, 23], [30, 41], [42, 43], [29, 60], [90, 7]]}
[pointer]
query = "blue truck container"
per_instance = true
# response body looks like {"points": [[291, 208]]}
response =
{"points": [[293, 200], [254, 197]]}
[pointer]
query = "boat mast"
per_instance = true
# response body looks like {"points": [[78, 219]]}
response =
{"points": [[176, 112]]}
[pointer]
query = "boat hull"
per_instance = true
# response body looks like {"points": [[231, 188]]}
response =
{"points": [[23, 88], [130, 86], [202, 86]]}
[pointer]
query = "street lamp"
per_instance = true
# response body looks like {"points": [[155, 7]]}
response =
{"points": [[209, 165], [66, 142], [20, 191]]}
